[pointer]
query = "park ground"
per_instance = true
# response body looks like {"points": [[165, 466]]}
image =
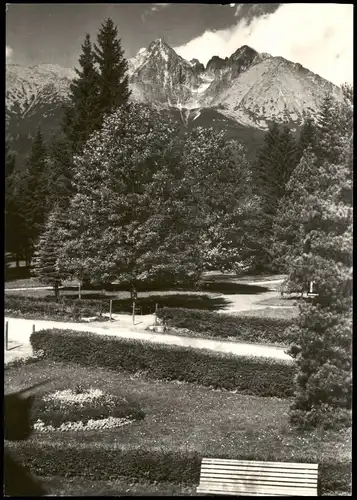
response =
{"points": [[179, 416]]}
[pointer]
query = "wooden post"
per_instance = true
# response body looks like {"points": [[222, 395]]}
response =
{"points": [[79, 291], [110, 309], [155, 314], [6, 336], [33, 328], [134, 312]]}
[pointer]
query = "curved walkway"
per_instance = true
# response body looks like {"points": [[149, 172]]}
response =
{"points": [[21, 329]]}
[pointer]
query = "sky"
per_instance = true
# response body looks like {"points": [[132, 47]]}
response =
{"points": [[318, 36]]}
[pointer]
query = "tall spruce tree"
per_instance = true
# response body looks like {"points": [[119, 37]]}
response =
{"points": [[60, 173], [44, 266], [13, 238], [112, 69], [328, 130], [307, 137], [276, 161], [82, 115], [323, 254], [33, 194]]}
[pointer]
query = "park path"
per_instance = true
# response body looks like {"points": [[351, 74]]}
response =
{"points": [[21, 329]]}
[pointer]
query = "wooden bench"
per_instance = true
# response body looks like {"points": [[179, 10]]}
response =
{"points": [[234, 477]]}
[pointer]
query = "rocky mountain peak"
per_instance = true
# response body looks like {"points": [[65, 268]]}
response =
{"points": [[248, 88]]}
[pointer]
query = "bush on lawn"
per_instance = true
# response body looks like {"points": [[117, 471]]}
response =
{"points": [[50, 309], [242, 328], [182, 467], [248, 375]]}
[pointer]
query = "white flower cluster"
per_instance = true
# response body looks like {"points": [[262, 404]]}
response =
{"points": [[68, 396], [105, 423]]}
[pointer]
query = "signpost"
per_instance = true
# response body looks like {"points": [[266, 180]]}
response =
{"points": [[134, 296], [312, 289], [6, 336]]}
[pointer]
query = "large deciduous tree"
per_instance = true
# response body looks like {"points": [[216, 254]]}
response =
{"points": [[149, 207]]}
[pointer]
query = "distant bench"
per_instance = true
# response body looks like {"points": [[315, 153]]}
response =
{"points": [[234, 477]]}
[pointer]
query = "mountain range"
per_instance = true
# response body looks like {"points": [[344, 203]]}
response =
{"points": [[241, 94]]}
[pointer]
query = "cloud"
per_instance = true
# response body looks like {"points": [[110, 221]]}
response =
{"points": [[9, 52], [318, 36], [159, 6]]}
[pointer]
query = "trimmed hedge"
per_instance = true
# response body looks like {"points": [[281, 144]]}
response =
{"points": [[247, 375], [242, 328], [47, 307], [181, 467]]}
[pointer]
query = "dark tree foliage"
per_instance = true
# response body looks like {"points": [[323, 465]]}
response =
{"points": [[82, 115], [112, 69]]}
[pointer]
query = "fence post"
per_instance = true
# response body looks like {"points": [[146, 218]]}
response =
{"points": [[33, 328], [134, 312], [6, 336], [155, 314], [79, 291], [110, 309]]}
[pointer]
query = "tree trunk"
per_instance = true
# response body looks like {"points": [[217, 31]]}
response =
{"points": [[56, 290]]}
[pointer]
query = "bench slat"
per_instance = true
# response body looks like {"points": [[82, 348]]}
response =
{"points": [[284, 465], [253, 482], [263, 477], [246, 494], [243, 488], [257, 471]]}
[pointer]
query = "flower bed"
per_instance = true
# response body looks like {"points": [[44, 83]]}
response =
{"points": [[82, 409]]}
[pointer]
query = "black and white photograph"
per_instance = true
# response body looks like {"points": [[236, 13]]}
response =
{"points": [[178, 230]]}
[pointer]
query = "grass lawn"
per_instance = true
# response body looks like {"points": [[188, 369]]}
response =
{"points": [[280, 301], [182, 416], [280, 313], [78, 486]]}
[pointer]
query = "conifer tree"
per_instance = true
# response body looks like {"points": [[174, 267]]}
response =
{"points": [[33, 193], [328, 130], [44, 266], [307, 137], [112, 69], [13, 240], [276, 161], [82, 115], [60, 173], [323, 253]]}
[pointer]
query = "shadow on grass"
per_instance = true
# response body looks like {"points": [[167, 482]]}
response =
{"points": [[147, 305], [233, 288], [17, 273]]}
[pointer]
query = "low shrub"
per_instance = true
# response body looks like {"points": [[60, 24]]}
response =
{"points": [[182, 467], [242, 328], [17, 362], [248, 375], [48, 308], [323, 416]]}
